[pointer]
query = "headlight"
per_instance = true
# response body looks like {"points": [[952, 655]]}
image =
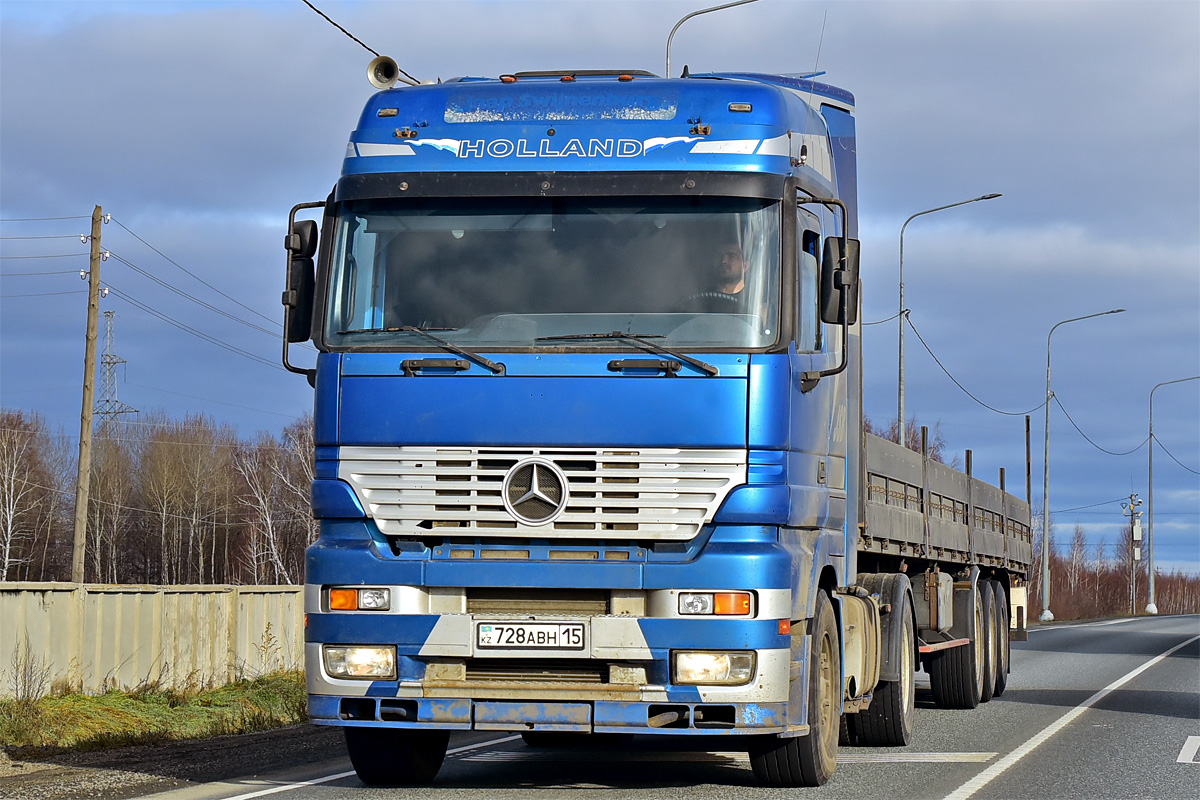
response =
{"points": [[360, 599], [713, 669], [368, 662]]}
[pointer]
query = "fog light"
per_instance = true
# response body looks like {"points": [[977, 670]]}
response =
{"points": [[695, 603], [361, 662], [374, 599], [714, 669]]}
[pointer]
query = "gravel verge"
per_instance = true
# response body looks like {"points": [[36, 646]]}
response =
{"points": [[42, 774]]}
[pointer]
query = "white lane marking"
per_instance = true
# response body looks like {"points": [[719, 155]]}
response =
{"points": [[1190, 748], [991, 773], [498, 756], [1100, 624], [287, 787]]}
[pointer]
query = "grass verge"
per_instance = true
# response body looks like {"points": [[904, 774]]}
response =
{"points": [[152, 714]]}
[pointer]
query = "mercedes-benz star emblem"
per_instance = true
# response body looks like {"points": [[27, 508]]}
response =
{"points": [[535, 491]]}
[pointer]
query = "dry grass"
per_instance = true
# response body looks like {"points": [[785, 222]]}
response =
{"points": [[151, 714]]}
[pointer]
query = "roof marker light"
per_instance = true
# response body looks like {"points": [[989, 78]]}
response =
{"points": [[567, 78], [625, 78], [743, 107], [508, 78]]}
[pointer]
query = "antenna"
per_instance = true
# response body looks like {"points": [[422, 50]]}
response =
{"points": [[816, 73], [696, 14], [110, 408]]}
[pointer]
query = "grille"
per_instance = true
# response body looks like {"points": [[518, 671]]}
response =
{"points": [[537, 671], [614, 493], [523, 602]]}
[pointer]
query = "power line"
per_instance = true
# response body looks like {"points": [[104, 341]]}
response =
{"points": [[1093, 505], [192, 274], [188, 329], [1089, 441], [161, 441], [355, 38], [42, 219], [194, 299], [210, 400], [1173, 458], [57, 236], [28, 274], [43, 294], [55, 255], [908, 319], [880, 322]]}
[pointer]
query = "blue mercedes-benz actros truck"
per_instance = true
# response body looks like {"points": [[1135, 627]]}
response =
{"points": [[589, 454]]}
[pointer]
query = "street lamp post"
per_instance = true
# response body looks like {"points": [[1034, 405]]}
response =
{"points": [[1047, 616], [901, 437], [1151, 608]]}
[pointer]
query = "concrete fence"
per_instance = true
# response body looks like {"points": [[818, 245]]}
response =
{"points": [[98, 637]]}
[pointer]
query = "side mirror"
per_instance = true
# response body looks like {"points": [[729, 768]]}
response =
{"points": [[839, 282], [301, 244]]}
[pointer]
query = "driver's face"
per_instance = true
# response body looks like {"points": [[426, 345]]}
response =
{"points": [[730, 263]]}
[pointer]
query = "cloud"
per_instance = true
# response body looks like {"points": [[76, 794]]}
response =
{"points": [[198, 125]]}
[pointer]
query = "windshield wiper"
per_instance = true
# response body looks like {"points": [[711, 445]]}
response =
{"points": [[487, 363], [640, 338]]}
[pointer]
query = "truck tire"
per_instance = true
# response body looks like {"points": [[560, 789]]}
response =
{"points": [[991, 641], [888, 721], [395, 756], [956, 675], [1002, 660], [848, 731], [809, 760]]}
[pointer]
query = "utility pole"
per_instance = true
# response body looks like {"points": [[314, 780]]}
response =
{"points": [[1130, 510], [89, 393]]}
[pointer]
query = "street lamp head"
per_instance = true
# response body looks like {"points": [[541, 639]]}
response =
{"points": [[991, 196]]}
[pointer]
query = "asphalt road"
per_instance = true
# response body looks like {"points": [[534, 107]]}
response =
{"points": [[1100, 710]]}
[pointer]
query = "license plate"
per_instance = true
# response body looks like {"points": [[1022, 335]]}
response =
{"points": [[530, 635]]}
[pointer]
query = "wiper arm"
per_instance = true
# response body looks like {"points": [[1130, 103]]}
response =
{"points": [[487, 363], [640, 338]]}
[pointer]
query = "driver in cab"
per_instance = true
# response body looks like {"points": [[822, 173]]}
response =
{"points": [[727, 282]]}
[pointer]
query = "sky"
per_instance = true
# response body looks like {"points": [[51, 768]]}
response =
{"points": [[197, 125]]}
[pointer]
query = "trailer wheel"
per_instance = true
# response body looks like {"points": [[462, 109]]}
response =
{"points": [[1002, 653], [888, 721], [809, 760], [991, 642], [848, 731], [394, 756], [956, 675]]}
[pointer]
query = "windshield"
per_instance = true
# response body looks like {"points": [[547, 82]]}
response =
{"points": [[518, 273]]}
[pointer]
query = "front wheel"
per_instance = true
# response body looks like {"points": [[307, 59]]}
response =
{"points": [[809, 760], [394, 756]]}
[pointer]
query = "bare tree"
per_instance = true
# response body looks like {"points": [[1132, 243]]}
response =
{"points": [[19, 490], [258, 465], [110, 510], [937, 442], [1078, 555], [296, 475]]}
